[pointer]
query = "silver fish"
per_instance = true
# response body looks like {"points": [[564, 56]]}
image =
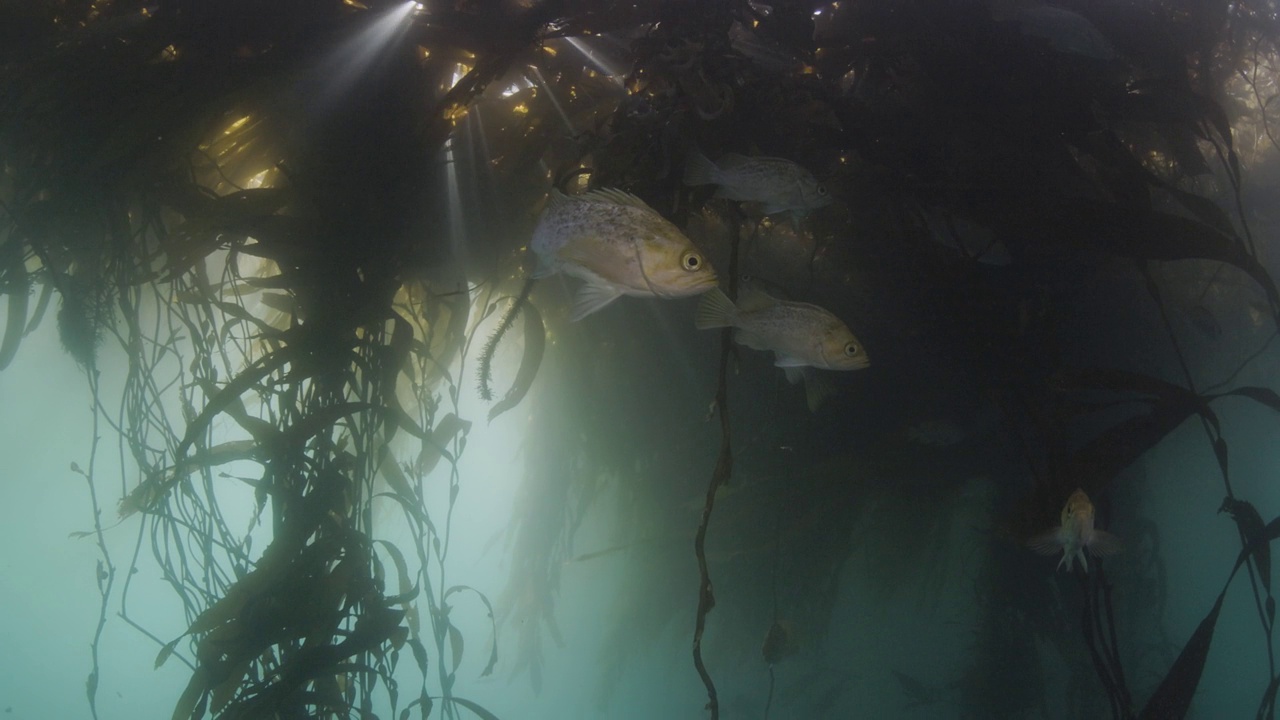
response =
{"points": [[778, 184], [618, 246], [1076, 534]]}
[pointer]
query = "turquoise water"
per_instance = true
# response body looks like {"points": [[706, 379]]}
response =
{"points": [[295, 432]]}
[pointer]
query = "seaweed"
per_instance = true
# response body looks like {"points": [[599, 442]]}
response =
{"points": [[260, 252]]}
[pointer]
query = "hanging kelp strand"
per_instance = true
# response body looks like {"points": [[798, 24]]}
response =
{"points": [[484, 373]]}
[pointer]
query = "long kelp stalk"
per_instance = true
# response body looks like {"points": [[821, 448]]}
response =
{"points": [[1189, 674], [1220, 450], [106, 572], [719, 477]]}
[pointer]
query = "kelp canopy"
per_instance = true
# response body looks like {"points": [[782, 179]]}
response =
{"points": [[302, 224]]}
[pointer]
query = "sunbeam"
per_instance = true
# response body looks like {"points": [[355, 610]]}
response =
{"points": [[615, 74], [355, 57]]}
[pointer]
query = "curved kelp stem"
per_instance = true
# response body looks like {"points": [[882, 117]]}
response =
{"points": [[719, 476], [484, 371], [773, 591], [1098, 624], [1173, 697], [106, 571], [535, 341], [1219, 444]]}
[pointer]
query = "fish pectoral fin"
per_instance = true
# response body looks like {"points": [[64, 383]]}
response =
{"points": [[715, 310], [592, 297], [1047, 543], [1104, 543], [817, 388], [794, 374], [775, 208]]}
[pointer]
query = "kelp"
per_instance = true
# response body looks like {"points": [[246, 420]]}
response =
{"points": [[146, 164], [16, 291], [535, 339], [268, 635], [1172, 698]]}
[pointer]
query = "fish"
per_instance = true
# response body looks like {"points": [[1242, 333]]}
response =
{"points": [[803, 337], [799, 334], [779, 185], [617, 245], [1075, 534]]}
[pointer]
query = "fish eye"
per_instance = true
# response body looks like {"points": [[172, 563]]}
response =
{"points": [[850, 349], [691, 261], [822, 189]]}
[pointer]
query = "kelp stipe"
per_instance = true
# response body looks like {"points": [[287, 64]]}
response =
{"points": [[260, 257], [535, 341]]}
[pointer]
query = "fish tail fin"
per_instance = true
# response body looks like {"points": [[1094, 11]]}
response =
{"points": [[1104, 543], [715, 310], [698, 170]]}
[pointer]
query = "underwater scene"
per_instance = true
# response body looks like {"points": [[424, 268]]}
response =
{"points": [[639, 360]]}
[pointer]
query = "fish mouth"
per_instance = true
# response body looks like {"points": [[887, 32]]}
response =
{"points": [[704, 283], [680, 289], [822, 202], [861, 363]]}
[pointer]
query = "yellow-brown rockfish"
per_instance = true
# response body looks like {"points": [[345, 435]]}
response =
{"points": [[618, 246], [1075, 534], [801, 336]]}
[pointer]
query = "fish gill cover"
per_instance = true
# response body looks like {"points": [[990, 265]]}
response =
{"points": [[299, 223]]}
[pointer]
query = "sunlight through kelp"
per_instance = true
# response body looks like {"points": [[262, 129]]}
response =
{"points": [[303, 235]]}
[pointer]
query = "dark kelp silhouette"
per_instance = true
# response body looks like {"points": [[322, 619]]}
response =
{"points": [[197, 166]]}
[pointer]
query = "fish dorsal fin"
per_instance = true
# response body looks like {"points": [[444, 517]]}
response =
{"points": [[555, 198], [752, 298], [729, 161], [617, 197]]}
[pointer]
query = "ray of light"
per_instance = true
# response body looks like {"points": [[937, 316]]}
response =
{"points": [[457, 225], [597, 59], [542, 82], [354, 57]]}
